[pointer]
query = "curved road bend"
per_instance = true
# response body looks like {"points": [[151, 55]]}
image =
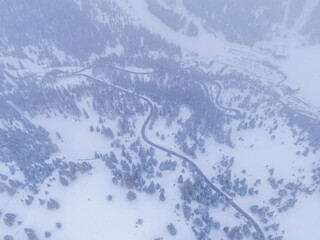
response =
{"points": [[237, 113], [190, 162], [284, 76]]}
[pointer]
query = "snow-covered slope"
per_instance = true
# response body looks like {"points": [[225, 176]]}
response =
{"points": [[167, 119]]}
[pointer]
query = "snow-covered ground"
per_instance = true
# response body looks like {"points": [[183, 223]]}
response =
{"points": [[256, 153], [302, 69], [85, 211], [300, 66]]}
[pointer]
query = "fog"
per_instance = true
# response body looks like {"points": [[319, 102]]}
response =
{"points": [[159, 119]]}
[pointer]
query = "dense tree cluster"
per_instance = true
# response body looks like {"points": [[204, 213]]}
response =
{"points": [[173, 20], [305, 123], [199, 191], [31, 235], [238, 22], [171, 229], [28, 146], [52, 204], [64, 25], [192, 29], [9, 219], [171, 90], [135, 175], [252, 96]]}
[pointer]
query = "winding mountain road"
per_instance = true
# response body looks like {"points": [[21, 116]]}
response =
{"points": [[237, 114], [226, 111], [189, 161], [271, 66]]}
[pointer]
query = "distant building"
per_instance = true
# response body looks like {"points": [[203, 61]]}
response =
{"points": [[290, 90], [280, 51]]}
